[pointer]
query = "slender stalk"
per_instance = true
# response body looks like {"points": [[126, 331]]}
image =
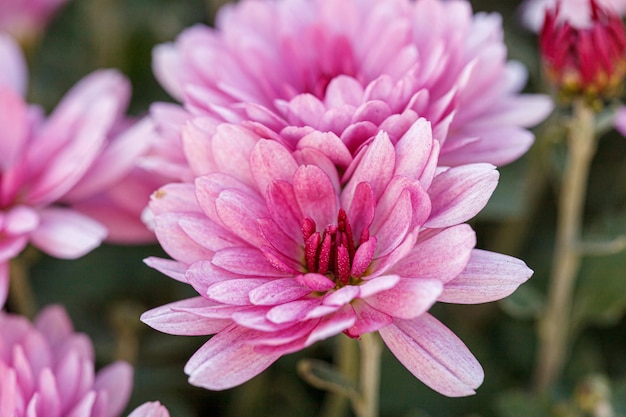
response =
{"points": [[336, 404], [21, 295], [369, 377], [554, 327]]}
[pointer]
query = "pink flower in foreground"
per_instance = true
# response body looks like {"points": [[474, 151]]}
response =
{"points": [[284, 251], [353, 67], [27, 18], [47, 370], [153, 409], [63, 178], [576, 12]]}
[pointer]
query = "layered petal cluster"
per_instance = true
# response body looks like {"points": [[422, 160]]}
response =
{"points": [[47, 370], [68, 179], [25, 19], [576, 12], [285, 249], [353, 67]]}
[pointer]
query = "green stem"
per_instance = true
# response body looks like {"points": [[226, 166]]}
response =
{"points": [[554, 327], [21, 296], [369, 377], [336, 404]]}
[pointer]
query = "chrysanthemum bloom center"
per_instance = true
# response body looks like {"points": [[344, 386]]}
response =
{"points": [[333, 252]]}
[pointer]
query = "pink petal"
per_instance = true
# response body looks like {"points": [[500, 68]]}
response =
{"points": [[332, 325], [315, 282], [227, 360], [116, 380], [150, 409], [8, 391], [14, 123], [278, 291], [231, 147], [414, 150], [67, 234], [172, 269], [316, 195], [329, 144], [174, 197], [284, 208], [434, 354], [291, 311], [270, 161], [176, 242], [393, 229], [234, 291], [14, 71], [459, 193], [174, 319], [239, 214], [376, 167], [442, 254], [408, 299], [362, 209], [378, 284], [342, 296], [368, 319], [246, 262], [487, 277]]}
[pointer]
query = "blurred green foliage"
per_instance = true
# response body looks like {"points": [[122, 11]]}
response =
{"points": [[106, 291]]}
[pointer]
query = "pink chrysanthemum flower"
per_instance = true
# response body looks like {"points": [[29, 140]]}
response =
{"points": [[353, 67], [65, 179], [47, 370], [25, 19], [284, 250], [576, 12]]}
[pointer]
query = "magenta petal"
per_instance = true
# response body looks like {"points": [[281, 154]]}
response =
{"points": [[316, 195], [363, 257], [487, 277], [362, 209], [172, 269], [278, 291], [239, 214], [332, 325], [408, 299], [315, 282], [176, 242], [117, 381], [434, 354], [270, 161], [342, 296], [329, 144], [246, 262], [14, 132], [378, 284], [284, 208], [459, 193], [368, 320], [14, 72], [441, 254], [291, 311], [67, 234], [227, 360], [234, 291], [172, 319], [414, 149]]}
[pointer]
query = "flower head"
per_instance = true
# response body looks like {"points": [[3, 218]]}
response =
{"points": [[65, 178], [47, 370], [587, 61], [354, 67], [284, 249], [576, 12]]}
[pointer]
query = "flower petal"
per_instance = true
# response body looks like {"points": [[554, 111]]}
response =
{"points": [[434, 354], [67, 234], [227, 360], [408, 299], [487, 277], [172, 318]]}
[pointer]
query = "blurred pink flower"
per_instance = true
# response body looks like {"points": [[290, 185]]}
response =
{"points": [[152, 409], [53, 170], [576, 12], [47, 370], [285, 250], [353, 67], [620, 120], [27, 18]]}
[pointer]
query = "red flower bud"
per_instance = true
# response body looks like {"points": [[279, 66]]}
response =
{"points": [[588, 61]]}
